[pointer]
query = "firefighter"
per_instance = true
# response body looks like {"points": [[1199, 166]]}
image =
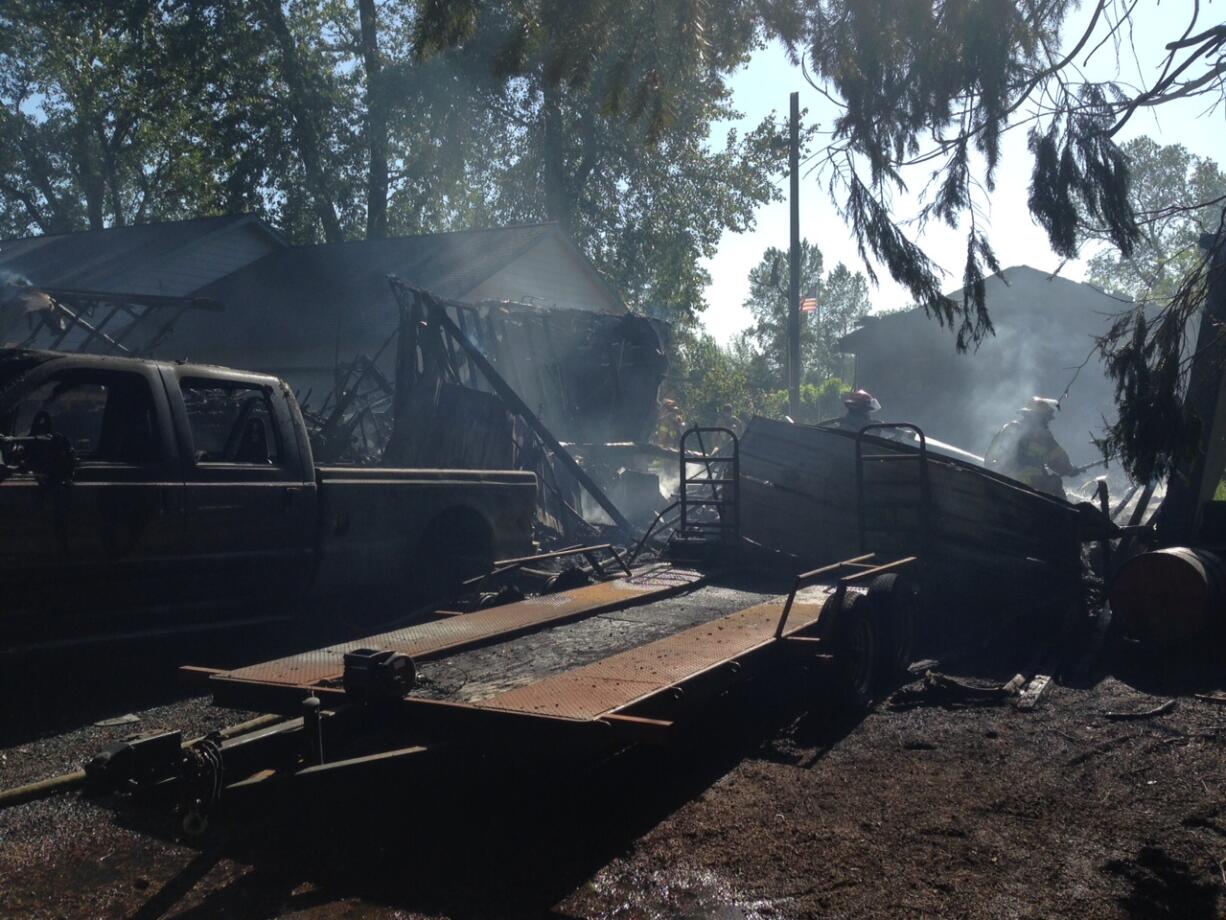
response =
{"points": [[726, 419], [670, 425], [1025, 449], [861, 405]]}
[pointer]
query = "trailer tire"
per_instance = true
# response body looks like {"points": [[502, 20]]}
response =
{"points": [[895, 602], [857, 652]]}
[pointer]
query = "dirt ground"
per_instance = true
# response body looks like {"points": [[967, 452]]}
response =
{"points": [[925, 807]]}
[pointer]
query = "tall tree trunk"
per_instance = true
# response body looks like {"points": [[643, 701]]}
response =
{"points": [[114, 192], [305, 106], [557, 201], [40, 171], [376, 123], [89, 176]]}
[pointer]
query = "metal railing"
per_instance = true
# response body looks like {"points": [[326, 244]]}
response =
{"points": [[722, 492], [908, 453]]}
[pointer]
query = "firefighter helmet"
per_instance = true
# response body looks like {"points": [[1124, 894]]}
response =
{"points": [[1042, 408], [862, 401]]}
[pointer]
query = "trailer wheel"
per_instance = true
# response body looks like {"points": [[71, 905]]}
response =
{"points": [[856, 651], [895, 600]]}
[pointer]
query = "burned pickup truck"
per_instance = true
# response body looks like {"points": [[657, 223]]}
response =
{"points": [[176, 488]]}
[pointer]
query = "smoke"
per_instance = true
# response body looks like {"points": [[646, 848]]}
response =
{"points": [[1045, 345], [18, 299]]}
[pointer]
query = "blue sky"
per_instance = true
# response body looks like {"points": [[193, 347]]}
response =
{"points": [[764, 84]]}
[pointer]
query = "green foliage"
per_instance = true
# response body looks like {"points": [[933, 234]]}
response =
{"points": [[750, 373], [1168, 274], [338, 119], [843, 303], [704, 377], [93, 130], [1180, 196], [611, 105], [818, 401]]}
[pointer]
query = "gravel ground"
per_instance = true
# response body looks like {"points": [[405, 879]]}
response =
{"points": [[925, 807]]}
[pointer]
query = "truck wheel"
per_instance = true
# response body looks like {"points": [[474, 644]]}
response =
{"points": [[456, 545], [856, 652], [895, 603]]}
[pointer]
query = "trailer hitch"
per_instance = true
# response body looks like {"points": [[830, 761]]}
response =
{"points": [[136, 762]]}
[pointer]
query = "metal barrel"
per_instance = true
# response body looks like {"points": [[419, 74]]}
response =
{"points": [[1168, 596]]}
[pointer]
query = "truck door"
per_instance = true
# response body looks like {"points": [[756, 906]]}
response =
{"points": [[112, 537], [249, 504]]}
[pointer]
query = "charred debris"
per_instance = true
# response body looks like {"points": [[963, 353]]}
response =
{"points": [[732, 581], [566, 394]]}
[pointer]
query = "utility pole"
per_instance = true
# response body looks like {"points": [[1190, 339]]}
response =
{"points": [[793, 362]]}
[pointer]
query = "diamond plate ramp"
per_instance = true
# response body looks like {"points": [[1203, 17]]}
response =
{"points": [[619, 681], [434, 639]]}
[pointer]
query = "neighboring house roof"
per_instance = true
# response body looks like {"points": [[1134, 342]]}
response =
{"points": [[117, 259], [1018, 288]]}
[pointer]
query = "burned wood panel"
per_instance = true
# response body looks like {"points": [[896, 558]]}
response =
{"points": [[590, 377], [978, 534], [455, 427]]}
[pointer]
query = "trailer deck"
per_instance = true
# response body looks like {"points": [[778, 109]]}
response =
{"points": [[609, 667], [616, 683], [323, 668]]}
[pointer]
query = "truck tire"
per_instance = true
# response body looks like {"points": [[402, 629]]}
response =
{"points": [[895, 607], [856, 652], [457, 545]]}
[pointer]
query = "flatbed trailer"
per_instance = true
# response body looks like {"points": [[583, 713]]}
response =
{"points": [[584, 672]]}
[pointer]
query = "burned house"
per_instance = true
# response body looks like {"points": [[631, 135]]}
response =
{"points": [[539, 309], [1045, 330]]}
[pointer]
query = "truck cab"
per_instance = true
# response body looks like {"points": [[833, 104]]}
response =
{"points": [[194, 487]]}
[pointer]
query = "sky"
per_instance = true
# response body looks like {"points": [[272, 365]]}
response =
{"points": [[764, 83]]}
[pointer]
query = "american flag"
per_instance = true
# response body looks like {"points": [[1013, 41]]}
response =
{"points": [[809, 303]]}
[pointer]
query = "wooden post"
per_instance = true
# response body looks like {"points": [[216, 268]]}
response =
{"points": [[793, 362]]}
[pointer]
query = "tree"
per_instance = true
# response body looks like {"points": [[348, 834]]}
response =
{"points": [[608, 109], [842, 298], [1181, 197], [338, 119], [708, 377], [934, 84], [94, 129]]}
